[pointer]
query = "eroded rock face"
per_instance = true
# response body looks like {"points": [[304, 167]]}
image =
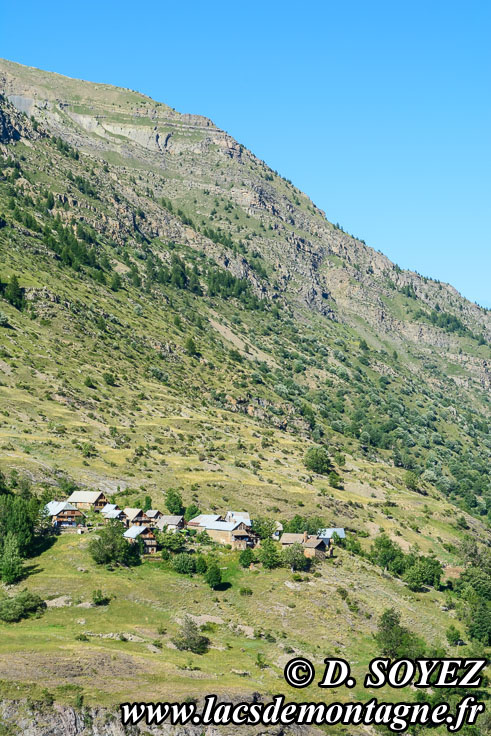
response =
{"points": [[38, 719], [8, 132]]}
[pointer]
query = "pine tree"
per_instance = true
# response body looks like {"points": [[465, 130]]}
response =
{"points": [[13, 292], [11, 561], [190, 346]]}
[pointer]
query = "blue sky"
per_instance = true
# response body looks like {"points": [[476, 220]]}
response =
{"points": [[380, 111]]}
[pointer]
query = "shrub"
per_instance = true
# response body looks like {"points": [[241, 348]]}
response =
{"points": [[246, 557], [245, 591], [184, 564], [99, 599], [201, 565], [20, 606], [190, 638], [453, 635]]}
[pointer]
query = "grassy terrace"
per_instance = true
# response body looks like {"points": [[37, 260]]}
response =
{"points": [[309, 617]]}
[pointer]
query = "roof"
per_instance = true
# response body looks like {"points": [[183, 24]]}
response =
{"points": [[290, 538], [222, 526], [327, 533], [152, 513], [203, 519], [113, 514], [53, 508], [85, 496], [134, 531], [239, 516], [314, 542], [108, 507], [169, 521], [132, 513]]}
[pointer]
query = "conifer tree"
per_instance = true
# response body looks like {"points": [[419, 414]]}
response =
{"points": [[11, 561]]}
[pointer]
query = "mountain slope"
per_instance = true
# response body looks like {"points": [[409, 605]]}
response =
{"points": [[187, 318]]}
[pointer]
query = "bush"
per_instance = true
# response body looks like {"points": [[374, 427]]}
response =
{"points": [[201, 565], [190, 638], [246, 557], [184, 564], [453, 635], [20, 606], [99, 599], [245, 591]]}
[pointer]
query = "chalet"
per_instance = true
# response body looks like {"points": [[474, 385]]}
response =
{"points": [[64, 514], [312, 545], [235, 533], [88, 500], [170, 523], [154, 515], [328, 534], [136, 517], [145, 534], [111, 512]]}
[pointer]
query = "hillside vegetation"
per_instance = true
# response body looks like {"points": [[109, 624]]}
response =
{"points": [[175, 314]]}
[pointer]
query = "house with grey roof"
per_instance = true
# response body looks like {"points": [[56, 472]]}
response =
{"points": [[143, 533], [170, 522], [88, 500], [64, 514], [328, 534]]}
